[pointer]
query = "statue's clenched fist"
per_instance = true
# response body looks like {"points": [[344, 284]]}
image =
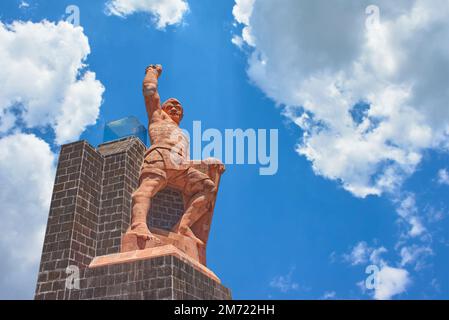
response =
{"points": [[156, 68]]}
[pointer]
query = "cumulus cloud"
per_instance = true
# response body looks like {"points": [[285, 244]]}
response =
{"points": [[27, 169], [415, 255], [45, 84], [408, 212], [369, 94], [443, 176], [75, 108], [242, 11], [284, 283], [359, 254], [164, 12], [390, 282], [43, 79]]}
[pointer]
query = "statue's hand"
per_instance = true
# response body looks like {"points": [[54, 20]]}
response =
{"points": [[156, 68], [215, 164]]}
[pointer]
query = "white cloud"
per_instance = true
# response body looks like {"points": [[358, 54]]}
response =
{"points": [[44, 84], [238, 41], [359, 254], [329, 295], [164, 12], [23, 4], [242, 10], [75, 108], [375, 255], [408, 211], [443, 177], [27, 168], [284, 283], [7, 121], [415, 255], [42, 78], [320, 61], [391, 282], [434, 215]]}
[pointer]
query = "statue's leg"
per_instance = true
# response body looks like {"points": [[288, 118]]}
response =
{"points": [[141, 202], [200, 191]]}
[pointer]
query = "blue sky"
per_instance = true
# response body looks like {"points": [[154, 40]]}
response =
{"points": [[307, 232]]}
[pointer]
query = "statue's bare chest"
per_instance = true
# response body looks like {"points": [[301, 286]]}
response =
{"points": [[166, 132]]}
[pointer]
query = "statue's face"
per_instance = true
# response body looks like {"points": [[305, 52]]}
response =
{"points": [[174, 109]]}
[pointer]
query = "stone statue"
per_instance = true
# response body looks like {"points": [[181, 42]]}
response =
{"points": [[167, 163]]}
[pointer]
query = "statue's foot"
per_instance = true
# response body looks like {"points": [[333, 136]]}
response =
{"points": [[186, 231], [140, 230]]}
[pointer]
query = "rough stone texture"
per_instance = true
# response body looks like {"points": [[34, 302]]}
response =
{"points": [[122, 160], [72, 223], [167, 207], [90, 210], [162, 278]]}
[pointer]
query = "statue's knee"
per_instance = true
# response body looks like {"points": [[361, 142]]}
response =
{"points": [[139, 195], [147, 190]]}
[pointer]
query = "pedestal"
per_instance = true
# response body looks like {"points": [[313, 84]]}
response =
{"points": [[155, 273]]}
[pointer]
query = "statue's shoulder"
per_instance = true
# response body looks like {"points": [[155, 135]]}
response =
{"points": [[158, 116]]}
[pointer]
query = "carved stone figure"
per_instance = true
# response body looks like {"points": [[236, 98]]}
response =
{"points": [[167, 163]]}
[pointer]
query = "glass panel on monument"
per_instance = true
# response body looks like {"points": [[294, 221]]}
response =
{"points": [[129, 126]]}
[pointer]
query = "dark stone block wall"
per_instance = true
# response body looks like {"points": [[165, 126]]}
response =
{"points": [[166, 209], [162, 278], [90, 210], [72, 222], [122, 160]]}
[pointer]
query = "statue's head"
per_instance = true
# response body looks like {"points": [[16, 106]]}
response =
{"points": [[174, 109]]}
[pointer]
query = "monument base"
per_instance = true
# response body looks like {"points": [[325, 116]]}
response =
{"points": [[196, 251], [165, 250], [157, 273]]}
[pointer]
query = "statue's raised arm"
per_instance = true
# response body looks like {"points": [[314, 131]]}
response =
{"points": [[150, 93]]}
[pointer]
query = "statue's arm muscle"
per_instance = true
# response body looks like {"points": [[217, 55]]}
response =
{"points": [[150, 93]]}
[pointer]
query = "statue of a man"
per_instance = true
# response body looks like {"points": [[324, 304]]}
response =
{"points": [[167, 162]]}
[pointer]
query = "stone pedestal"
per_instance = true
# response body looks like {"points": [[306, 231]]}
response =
{"points": [[167, 277], [157, 273], [89, 213]]}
